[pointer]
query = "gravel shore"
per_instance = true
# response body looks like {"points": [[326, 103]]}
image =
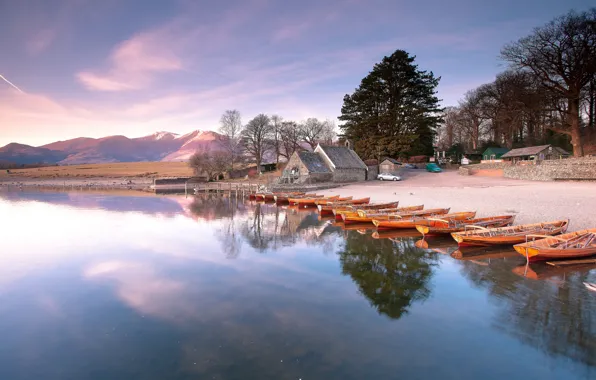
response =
{"points": [[531, 202], [66, 183]]}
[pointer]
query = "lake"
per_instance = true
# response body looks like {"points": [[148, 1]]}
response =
{"points": [[138, 286]]}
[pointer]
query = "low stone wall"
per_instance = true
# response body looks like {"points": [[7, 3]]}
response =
{"points": [[177, 180], [349, 175], [372, 173], [303, 187], [553, 170]]}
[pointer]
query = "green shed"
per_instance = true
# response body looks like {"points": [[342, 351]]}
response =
{"points": [[493, 153]]}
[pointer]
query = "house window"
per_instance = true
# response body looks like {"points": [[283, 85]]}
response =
{"points": [[492, 157]]}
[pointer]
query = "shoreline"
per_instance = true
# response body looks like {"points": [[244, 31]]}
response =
{"points": [[116, 183], [529, 201]]}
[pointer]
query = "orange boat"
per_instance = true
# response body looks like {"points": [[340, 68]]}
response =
{"points": [[368, 218], [351, 209], [408, 220], [309, 201], [283, 197], [508, 235], [270, 197], [327, 208], [327, 201], [567, 246], [444, 225]]}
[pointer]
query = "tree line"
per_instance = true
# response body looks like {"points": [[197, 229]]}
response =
{"points": [[547, 94], [263, 137]]}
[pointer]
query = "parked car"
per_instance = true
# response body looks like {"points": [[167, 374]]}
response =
{"points": [[388, 177], [410, 166], [433, 168]]}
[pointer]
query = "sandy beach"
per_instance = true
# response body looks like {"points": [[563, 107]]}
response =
{"points": [[530, 201]]}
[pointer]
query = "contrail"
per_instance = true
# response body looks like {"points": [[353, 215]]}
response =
{"points": [[10, 83]]}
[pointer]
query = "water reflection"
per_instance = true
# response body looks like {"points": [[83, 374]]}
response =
{"points": [[390, 274], [554, 316], [113, 289]]}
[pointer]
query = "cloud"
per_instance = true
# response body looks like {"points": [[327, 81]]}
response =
{"points": [[134, 63], [41, 41]]}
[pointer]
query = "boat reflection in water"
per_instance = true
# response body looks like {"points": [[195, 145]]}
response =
{"points": [[215, 287]]}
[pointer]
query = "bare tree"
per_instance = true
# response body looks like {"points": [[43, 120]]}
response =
{"points": [[276, 122], [562, 54], [211, 164], [231, 128], [290, 137], [257, 137], [314, 131]]}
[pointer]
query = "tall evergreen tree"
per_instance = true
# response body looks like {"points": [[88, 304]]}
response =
{"points": [[394, 111]]}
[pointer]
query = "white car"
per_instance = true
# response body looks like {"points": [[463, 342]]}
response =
{"points": [[388, 177]]}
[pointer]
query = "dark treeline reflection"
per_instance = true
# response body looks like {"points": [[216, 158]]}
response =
{"points": [[553, 312], [263, 227], [391, 274]]}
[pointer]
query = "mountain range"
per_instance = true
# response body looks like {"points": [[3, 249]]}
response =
{"points": [[160, 146]]}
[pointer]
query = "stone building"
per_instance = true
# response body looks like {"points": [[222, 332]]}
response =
{"points": [[535, 153], [325, 164], [390, 165], [344, 163], [307, 167]]}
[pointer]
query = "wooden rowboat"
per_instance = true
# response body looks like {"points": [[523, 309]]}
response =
{"points": [[324, 201], [407, 220], [310, 201], [352, 208], [508, 235], [329, 206], [570, 245], [283, 197], [368, 218], [271, 197], [442, 225]]}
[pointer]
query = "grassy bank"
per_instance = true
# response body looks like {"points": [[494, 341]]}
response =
{"points": [[112, 170]]}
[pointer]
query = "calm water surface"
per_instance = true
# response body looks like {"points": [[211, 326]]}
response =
{"points": [[131, 286]]}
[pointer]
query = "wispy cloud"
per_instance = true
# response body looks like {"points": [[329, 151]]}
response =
{"points": [[41, 41], [133, 64]]}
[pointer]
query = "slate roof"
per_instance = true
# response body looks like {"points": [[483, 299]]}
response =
{"points": [[392, 160], [313, 162], [530, 151], [342, 157]]}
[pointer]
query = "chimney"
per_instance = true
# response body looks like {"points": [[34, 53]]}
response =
{"points": [[348, 144]]}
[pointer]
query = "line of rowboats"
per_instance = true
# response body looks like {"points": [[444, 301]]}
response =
{"points": [[536, 241]]}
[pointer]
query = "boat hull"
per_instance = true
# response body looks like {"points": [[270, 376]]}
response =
{"points": [[553, 248], [361, 217], [437, 227], [509, 235], [393, 221]]}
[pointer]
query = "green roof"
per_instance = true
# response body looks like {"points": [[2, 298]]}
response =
{"points": [[495, 151]]}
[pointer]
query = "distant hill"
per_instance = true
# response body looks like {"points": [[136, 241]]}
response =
{"points": [[25, 154], [160, 146]]}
